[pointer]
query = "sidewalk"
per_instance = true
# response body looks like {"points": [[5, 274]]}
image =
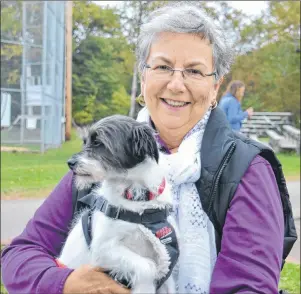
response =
{"points": [[16, 213]]}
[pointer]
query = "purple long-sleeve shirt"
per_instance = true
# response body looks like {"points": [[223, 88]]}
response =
{"points": [[249, 260]]}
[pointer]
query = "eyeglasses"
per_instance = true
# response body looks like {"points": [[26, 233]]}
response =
{"points": [[165, 72]]}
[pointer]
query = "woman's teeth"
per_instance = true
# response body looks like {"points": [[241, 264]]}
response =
{"points": [[174, 103]]}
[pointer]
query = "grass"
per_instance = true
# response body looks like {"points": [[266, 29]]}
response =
{"points": [[291, 164], [35, 174], [29, 174], [290, 278]]}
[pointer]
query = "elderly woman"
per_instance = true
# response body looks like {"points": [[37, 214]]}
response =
{"points": [[227, 198], [230, 103]]}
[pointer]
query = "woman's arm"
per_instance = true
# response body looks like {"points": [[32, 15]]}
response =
{"points": [[252, 243], [235, 113], [28, 264]]}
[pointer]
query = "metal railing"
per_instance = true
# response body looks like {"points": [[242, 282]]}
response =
{"points": [[33, 73]]}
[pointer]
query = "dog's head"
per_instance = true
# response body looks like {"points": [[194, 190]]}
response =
{"points": [[116, 147]]}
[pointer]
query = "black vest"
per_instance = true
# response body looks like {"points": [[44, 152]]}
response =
{"points": [[225, 157]]}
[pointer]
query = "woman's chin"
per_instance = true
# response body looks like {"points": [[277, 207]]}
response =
{"points": [[173, 122]]}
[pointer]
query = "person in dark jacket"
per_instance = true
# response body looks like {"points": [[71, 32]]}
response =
{"points": [[230, 103], [183, 57]]}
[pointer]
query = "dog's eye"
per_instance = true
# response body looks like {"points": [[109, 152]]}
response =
{"points": [[96, 144], [94, 141]]}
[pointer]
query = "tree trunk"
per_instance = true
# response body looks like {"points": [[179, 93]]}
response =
{"points": [[134, 91], [68, 74]]}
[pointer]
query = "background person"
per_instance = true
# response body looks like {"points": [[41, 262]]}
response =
{"points": [[230, 103]]}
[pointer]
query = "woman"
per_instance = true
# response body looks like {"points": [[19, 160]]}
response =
{"points": [[182, 58], [230, 103]]}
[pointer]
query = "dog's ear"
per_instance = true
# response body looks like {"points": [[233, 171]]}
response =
{"points": [[144, 142]]}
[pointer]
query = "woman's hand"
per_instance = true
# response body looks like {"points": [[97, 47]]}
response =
{"points": [[88, 279]]}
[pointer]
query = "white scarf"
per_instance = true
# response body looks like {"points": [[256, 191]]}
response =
{"points": [[197, 239]]}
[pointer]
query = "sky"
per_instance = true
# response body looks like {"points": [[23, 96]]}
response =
{"points": [[248, 7]]}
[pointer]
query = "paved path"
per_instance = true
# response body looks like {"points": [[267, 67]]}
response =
{"points": [[16, 213]]}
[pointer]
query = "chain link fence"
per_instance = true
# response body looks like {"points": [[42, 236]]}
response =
{"points": [[33, 73]]}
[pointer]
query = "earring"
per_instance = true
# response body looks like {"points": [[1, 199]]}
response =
{"points": [[213, 104], [140, 100]]}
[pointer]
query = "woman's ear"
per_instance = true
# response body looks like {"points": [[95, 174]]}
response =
{"points": [[218, 84], [142, 84]]}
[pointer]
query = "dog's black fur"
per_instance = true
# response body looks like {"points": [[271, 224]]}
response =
{"points": [[118, 142]]}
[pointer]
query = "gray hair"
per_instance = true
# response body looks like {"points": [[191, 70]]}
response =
{"points": [[185, 18]]}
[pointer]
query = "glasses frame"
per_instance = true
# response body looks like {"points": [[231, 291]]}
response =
{"points": [[172, 70]]}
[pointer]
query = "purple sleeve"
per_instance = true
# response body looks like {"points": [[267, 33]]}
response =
{"points": [[252, 244], [28, 264]]}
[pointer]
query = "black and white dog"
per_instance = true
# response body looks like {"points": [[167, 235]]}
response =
{"points": [[133, 235]]}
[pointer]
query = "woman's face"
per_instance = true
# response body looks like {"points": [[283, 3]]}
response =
{"points": [[240, 93], [179, 51]]}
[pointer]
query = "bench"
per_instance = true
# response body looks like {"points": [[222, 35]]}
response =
{"points": [[262, 121], [292, 134], [279, 142]]}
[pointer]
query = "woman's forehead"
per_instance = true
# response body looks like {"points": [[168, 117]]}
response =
{"points": [[181, 48]]}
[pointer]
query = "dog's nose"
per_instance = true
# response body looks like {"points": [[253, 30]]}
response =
{"points": [[72, 163]]}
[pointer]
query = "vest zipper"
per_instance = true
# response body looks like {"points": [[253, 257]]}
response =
{"points": [[219, 173]]}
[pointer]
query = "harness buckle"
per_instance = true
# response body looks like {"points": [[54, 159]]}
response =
{"points": [[168, 210], [109, 211], [117, 214]]}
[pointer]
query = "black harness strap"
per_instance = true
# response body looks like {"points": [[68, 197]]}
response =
{"points": [[86, 224], [153, 219], [149, 216]]}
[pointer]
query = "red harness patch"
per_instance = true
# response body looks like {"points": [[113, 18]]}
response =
{"points": [[151, 195]]}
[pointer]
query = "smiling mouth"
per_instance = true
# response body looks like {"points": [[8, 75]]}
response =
{"points": [[174, 103]]}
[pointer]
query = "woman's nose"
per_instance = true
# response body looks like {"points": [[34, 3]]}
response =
{"points": [[176, 83]]}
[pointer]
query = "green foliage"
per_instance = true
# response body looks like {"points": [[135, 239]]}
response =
{"points": [[11, 29], [101, 68], [102, 64], [271, 67], [91, 19]]}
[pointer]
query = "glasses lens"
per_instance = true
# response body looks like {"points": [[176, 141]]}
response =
{"points": [[193, 74], [161, 73]]}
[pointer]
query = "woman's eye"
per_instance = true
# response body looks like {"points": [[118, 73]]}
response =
{"points": [[193, 71], [162, 67]]}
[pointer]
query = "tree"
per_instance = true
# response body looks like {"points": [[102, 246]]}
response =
{"points": [[91, 19], [100, 74], [11, 54], [271, 70], [102, 63]]}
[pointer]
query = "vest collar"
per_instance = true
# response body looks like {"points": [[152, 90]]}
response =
{"points": [[217, 139]]}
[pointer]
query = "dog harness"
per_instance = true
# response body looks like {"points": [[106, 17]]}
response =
{"points": [[153, 219]]}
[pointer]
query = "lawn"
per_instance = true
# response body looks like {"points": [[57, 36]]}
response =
{"points": [[290, 278], [291, 164], [35, 174]]}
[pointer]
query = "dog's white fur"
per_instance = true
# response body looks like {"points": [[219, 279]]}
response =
{"points": [[127, 249]]}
